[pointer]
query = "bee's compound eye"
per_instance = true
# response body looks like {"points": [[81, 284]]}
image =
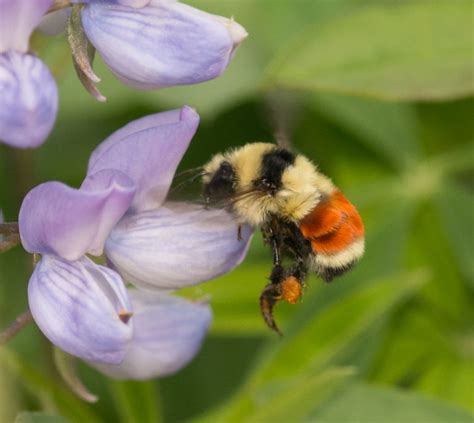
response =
{"points": [[222, 183]]}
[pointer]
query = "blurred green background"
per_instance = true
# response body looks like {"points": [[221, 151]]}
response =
{"points": [[379, 94]]}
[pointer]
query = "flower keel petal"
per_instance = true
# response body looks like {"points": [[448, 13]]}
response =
{"points": [[168, 332], [77, 305], [178, 245]]}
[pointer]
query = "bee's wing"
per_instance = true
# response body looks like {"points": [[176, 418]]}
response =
{"points": [[186, 185]]}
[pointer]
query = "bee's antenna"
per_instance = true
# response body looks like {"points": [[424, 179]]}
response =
{"points": [[282, 112], [190, 179]]}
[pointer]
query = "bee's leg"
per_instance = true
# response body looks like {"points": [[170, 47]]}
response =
{"points": [[300, 270], [239, 233], [275, 244], [291, 287], [270, 296]]}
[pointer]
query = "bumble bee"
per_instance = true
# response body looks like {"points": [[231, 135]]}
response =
{"points": [[302, 215]]}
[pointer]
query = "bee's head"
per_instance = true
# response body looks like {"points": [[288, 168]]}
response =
{"points": [[285, 184], [261, 179], [219, 180]]}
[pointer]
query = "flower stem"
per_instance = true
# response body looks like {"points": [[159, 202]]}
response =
{"points": [[20, 322], [58, 5], [9, 236]]}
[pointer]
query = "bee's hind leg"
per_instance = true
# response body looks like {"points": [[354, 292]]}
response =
{"points": [[269, 297], [291, 286], [271, 294]]}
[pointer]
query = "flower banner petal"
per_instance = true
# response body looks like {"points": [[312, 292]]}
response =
{"points": [[28, 101], [163, 44], [79, 306], [148, 150], [18, 19], [180, 244], [168, 332], [56, 219]]}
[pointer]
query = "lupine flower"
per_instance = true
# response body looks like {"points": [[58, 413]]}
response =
{"points": [[160, 43], [84, 307], [28, 92]]}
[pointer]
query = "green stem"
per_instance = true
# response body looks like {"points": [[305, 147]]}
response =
{"points": [[20, 322], [58, 5], [9, 236]]}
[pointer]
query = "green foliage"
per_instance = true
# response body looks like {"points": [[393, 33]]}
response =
{"points": [[396, 333], [415, 50], [365, 403], [136, 402], [26, 417]]}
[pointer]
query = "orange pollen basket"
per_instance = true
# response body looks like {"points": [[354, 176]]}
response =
{"points": [[291, 290]]}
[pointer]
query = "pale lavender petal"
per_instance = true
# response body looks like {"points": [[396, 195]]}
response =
{"points": [[168, 333], [18, 19], [148, 150], [178, 245], [81, 307], [28, 100], [56, 219], [163, 44]]}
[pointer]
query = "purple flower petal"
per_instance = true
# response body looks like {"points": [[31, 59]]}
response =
{"points": [[168, 332], [148, 150], [163, 44], [59, 220], [82, 308], [178, 245], [28, 100], [18, 18]]}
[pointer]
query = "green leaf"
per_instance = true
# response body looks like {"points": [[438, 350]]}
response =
{"points": [[309, 347], [455, 206], [306, 393], [387, 128], [322, 340], [413, 343], [39, 384], [451, 380], [36, 417], [136, 401], [418, 50], [364, 403]]}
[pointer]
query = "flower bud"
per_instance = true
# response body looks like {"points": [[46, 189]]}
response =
{"points": [[162, 44]]}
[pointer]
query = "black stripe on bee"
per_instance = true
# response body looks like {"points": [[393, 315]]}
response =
{"points": [[273, 165]]}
